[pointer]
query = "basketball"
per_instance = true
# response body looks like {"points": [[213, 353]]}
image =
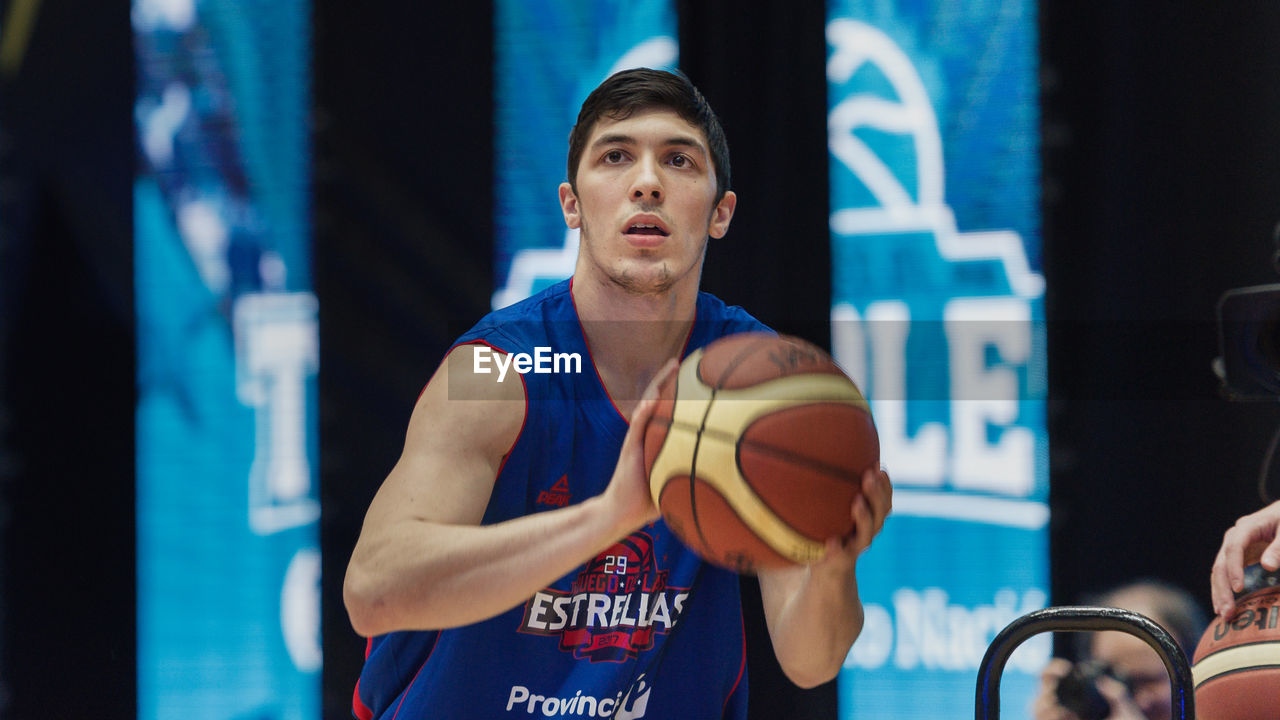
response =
{"points": [[756, 451], [1236, 666]]}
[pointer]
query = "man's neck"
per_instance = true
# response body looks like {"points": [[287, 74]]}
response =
{"points": [[632, 335]]}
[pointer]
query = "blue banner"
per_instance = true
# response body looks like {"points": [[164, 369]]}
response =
{"points": [[550, 55], [227, 504], [938, 314]]}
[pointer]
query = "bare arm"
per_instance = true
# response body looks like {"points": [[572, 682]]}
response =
{"points": [[423, 561], [813, 612]]}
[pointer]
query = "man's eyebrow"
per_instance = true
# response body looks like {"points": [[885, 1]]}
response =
{"points": [[622, 139], [686, 141], [614, 139]]}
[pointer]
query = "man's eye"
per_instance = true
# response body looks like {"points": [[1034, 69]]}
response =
{"points": [[680, 161], [613, 156]]}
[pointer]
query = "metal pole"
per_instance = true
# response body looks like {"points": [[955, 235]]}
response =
{"points": [[1083, 619]]}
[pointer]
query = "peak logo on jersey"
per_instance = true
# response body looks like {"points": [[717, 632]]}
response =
{"points": [[558, 495], [614, 606]]}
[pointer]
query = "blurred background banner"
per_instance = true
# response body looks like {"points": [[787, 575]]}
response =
{"points": [[228, 560], [937, 311], [550, 54]]}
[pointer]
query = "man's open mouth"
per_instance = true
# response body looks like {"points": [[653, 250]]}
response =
{"points": [[646, 229]]}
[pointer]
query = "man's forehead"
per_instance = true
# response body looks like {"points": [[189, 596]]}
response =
{"points": [[667, 124]]}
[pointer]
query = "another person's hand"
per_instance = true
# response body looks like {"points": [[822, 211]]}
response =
{"points": [[1252, 539]]}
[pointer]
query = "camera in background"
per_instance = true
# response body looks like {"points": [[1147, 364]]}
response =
{"points": [[1078, 690], [1249, 343]]}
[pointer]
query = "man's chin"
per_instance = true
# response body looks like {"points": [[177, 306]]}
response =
{"points": [[644, 283]]}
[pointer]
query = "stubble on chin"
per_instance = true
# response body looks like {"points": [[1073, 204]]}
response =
{"points": [[654, 281]]}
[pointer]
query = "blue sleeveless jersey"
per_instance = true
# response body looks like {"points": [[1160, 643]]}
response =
{"points": [[644, 630]]}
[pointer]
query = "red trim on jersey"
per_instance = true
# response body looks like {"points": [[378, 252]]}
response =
{"points": [[358, 708], [591, 357], [604, 387], [404, 695], [742, 668]]}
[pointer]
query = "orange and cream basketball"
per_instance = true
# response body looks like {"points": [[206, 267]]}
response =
{"points": [[757, 449], [1236, 666]]}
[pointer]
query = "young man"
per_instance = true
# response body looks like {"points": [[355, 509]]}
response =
{"points": [[513, 561]]}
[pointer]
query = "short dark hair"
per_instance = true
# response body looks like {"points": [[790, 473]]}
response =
{"points": [[626, 92]]}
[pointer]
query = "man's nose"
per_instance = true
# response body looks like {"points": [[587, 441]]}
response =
{"points": [[647, 185]]}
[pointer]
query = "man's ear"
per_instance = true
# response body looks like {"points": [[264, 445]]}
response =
{"points": [[569, 206], [722, 214]]}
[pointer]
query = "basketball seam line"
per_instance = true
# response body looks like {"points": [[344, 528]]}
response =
{"points": [[763, 448], [741, 357], [796, 458], [693, 468]]}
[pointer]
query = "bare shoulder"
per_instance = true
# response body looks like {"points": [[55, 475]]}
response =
{"points": [[462, 427], [467, 406]]}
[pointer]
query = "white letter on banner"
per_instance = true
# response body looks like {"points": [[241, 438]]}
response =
{"points": [[277, 351], [984, 396], [919, 461]]}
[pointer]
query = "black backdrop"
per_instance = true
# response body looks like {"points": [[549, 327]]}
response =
{"points": [[67, 627], [1161, 163]]}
